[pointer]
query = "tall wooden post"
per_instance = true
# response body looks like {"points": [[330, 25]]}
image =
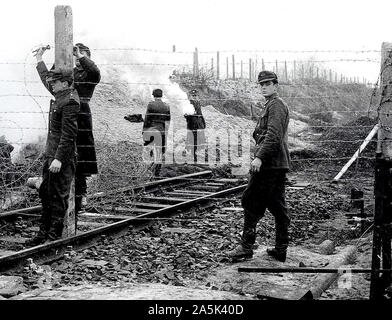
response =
{"points": [[381, 254], [227, 68], [63, 58], [250, 69], [294, 70], [196, 63], [285, 71], [233, 61], [217, 65]]}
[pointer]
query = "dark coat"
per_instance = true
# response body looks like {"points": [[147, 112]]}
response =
{"points": [[271, 135], [85, 80], [157, 115], [63, 127], [195, 121]]}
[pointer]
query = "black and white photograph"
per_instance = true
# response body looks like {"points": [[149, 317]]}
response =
{"points": [[196, 159]]}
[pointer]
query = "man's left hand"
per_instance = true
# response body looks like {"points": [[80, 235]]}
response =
{"points": [[55, 166], [77, 52], [255, 165]]}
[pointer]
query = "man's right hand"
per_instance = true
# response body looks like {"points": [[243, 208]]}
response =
{"points": [[40, 53]]}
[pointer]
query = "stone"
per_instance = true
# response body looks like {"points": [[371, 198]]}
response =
{"points": [[11, 286], [326, 247]]}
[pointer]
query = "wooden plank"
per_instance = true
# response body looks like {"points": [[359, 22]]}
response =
{"points": [[149, 205], [183, 195], [103, 216], [164, 199], [358, 152], [13, 239], [90, 224], [134, 209], [192, 191], [233, 209]]}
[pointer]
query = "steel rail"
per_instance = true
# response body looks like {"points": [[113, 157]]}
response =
{"points": [[145, 186], [55, 250]]}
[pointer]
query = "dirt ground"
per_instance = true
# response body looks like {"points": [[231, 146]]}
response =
{"points": [[189, 252]]}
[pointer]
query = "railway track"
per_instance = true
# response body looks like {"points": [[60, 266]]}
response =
{"points": [[136, 207]]}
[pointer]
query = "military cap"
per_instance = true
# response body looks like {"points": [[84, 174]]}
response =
{"points": [[265, 76], [60, 74], [82, 47], [157, 93]]}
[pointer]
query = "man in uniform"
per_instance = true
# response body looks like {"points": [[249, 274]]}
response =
{"points": [[86, 77], [266, 186], [155, 127], [195, 126], [5, 161], [60, 152]]}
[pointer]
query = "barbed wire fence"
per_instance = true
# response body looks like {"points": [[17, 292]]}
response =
{"points": [[331, 113]]}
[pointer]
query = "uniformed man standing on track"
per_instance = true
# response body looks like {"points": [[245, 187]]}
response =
{"points": [[155, 128], [86, 77], [60, 151], [195, 126], [266, 186]]}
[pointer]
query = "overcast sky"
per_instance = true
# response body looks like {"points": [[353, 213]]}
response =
{"points": [[209, 25]]}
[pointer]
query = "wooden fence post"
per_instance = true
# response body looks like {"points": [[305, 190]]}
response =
{"points": [[227, 67], [250, 69], [217, 65], [294, 70], [233, 61], [196, 63], [63, 28], [285, 71], [382, 186]]}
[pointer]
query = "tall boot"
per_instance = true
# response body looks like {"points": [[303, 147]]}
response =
{"points": [[56, 230]]}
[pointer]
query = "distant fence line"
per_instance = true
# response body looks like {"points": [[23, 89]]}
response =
{"points": [[288, 71]]}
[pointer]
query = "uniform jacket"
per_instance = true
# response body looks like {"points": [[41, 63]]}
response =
{"points": [[85, 80], [157, 114], [195, 121], [271, 135], [63, 126]]}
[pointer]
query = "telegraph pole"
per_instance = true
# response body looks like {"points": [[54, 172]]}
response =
{"points": [[63, 39], [381, 254]]}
